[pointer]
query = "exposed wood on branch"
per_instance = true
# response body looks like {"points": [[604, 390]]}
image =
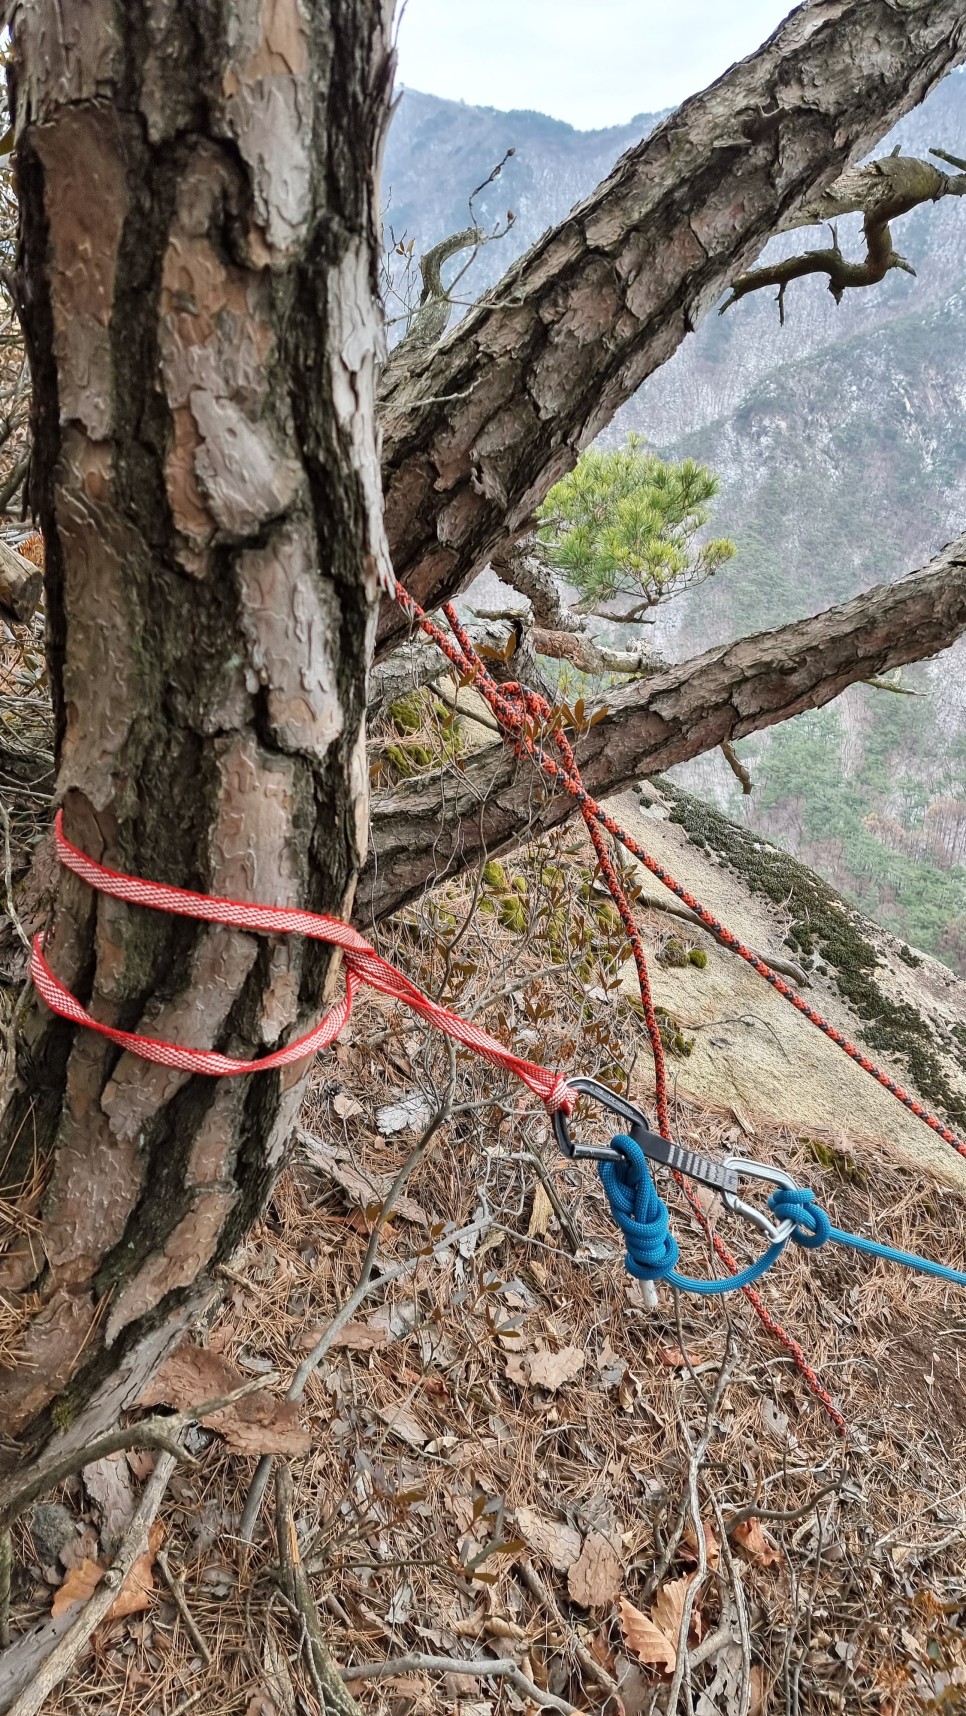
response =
{"points": [[728, 692], [542, 363], [21, 586]]}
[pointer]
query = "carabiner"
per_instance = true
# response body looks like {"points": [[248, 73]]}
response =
{"points": [[655, 1148], [775, 1231]]}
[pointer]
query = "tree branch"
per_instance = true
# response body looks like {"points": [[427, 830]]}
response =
{"points": [[603, 299], [883, 190], [494, 801]]}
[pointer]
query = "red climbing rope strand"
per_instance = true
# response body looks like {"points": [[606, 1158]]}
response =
{"points": [[363, 965], [517, 708], [503, 705], [525, 718]]}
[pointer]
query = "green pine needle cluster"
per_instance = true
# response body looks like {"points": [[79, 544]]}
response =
{"points": [[623, 523]]}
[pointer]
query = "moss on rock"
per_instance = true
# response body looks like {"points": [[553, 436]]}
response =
{"points": [[824, 926]]}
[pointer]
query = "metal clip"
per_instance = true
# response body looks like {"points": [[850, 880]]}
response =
{"points": [[775, 1231], [656, 1149]]}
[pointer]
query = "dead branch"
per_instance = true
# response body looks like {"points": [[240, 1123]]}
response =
{"points": [[483, 1668], [787, 967], [736, 766], [529, 1576], [332, 1693], [65, 1653], [160, 1432], [883, 190], [21, 586], [175, 1585]]}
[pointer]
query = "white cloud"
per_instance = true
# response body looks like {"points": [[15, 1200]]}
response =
{"points": [[591, 62]]}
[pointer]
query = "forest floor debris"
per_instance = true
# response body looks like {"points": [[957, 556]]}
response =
{"points": [[518, 1476]]}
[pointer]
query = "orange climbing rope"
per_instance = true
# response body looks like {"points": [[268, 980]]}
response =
{"points": [[525, 720]]}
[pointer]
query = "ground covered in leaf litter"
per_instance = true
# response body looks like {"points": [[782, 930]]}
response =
{"points": [[503, 1456]]}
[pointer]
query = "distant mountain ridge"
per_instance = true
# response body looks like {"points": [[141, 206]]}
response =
{"points": [[840, 442]]}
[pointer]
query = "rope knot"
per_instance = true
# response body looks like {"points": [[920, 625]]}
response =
{"points": [[652, 1250], [812, 1226]]}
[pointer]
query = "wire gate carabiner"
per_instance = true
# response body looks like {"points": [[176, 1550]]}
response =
{"points": [[724, 1177], [655, 1147]]}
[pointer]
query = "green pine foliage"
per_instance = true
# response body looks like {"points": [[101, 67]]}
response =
{"points": [[624, 523], [903, 763]]}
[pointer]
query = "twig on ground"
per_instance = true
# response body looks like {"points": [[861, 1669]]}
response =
{"points": [[529, 1576], [364, 1286], [12, 912], [777, 961], [69, 1648], [753, 1511], [736, 1593], [6, 1571], [482, 1668], [175, 1585], [155, 1434], [698, 1451], [330, 1690], [568, 1226]]}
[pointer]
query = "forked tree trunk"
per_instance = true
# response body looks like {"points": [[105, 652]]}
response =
{"points": [[198, 271]]}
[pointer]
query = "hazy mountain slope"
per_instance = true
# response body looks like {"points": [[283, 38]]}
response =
{"points": [[840, 441]]}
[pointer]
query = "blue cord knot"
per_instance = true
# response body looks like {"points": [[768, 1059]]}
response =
{"points": [[812, 1226], [652, 1250], [641, 1215]]}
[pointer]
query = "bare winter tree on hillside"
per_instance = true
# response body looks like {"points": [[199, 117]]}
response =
{"points": [[203, 333]]}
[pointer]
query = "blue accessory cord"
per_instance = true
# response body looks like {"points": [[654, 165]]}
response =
{"points": [[652, 1250]]}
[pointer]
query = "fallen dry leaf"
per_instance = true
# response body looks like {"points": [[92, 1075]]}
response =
{"points": [[750, 1537], [688, 1551], [673, 1357], [596, 1576], [667, 1609], [549, 1538], [346, 1106], [80, 1582], [543, 1369], [644, 1639], [83, 1547], [541, 1213], [357, 1337], [135, 1593], [402, 1422], [259, 1424], [361, 1189]]}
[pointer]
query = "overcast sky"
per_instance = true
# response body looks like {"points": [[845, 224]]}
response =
{"points": [[592, 62]]}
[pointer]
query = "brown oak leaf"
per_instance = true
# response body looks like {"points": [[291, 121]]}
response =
{"points": [[258, 1424], [644, 1640], [755, 1544], [667, 1609], [135, 1593], [544, 1369], [80, 1582], [549, 1538], [596, 1576]]}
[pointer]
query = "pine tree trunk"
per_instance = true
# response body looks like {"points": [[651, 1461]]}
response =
{"points": [[198, 273]]}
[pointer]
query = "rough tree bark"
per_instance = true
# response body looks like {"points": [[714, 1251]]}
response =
{"points": [[199, 215], [478, 430], [494, 802]]}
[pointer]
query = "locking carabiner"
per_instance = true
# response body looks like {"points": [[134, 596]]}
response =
{"points": [[718, 1175]]}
